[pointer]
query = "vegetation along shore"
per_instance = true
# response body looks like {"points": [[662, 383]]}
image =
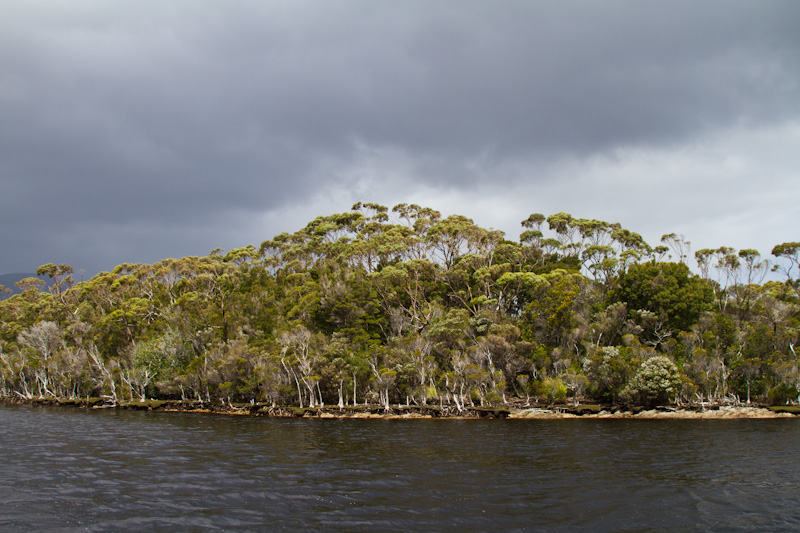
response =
{"points": [[401, 312]]}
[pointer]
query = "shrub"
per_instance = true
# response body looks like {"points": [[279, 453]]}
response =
{"points": [[656, 382], [553, 389], [781, 394]]}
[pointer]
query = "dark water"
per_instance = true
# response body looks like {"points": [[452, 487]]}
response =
{"points": [[83, 470]]}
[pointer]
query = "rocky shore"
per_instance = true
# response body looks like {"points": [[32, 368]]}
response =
{"points": [[712, 413], [587, 411]]}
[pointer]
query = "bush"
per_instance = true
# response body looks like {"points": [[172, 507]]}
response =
{"points": [[655, 383], [553, 389], [781, 394]]}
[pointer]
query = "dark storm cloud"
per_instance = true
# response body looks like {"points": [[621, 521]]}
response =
{"points": [[137, 130]]}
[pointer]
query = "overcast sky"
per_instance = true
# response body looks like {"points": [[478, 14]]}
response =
{"points": [[132, 131]]}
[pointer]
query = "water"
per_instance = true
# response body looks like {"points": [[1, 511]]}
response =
{"points": [[90, 470]]}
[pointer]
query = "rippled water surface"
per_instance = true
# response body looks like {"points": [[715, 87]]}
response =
{"points": [[102, 470]]}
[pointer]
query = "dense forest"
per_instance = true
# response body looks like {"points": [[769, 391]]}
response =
{"points": [[403, 306]]}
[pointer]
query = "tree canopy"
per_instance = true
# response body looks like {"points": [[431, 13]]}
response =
{"points": [[404, 305]]}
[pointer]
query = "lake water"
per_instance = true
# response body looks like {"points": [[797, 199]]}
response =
{"points": [[104, 470]]}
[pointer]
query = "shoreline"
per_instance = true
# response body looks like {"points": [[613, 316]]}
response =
{"points": [[717, 413], [587, 411]]}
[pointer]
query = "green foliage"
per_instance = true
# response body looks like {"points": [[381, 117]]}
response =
{"points": [[609, 368], [553, 390], [403, 305], [655, 383], [668, 290], [781, 394]]}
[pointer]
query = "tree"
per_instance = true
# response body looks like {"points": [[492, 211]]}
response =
{"points": [[43, 339], [789, 254], [383, 379], [380, 306], [609, 369], [300, 362], [667, 289], [753, 271], [553, 313], [576, 383], [61, 276], [409, 286], [678, 244]]}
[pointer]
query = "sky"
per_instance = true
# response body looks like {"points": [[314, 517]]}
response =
{"points": [[136, 130]]}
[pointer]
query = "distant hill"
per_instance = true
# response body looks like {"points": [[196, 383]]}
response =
{"points": [[9, 280]]}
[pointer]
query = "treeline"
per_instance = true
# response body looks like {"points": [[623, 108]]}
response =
{"points": [[405, 306]]}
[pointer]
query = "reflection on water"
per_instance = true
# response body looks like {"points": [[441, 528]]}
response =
{"points": [[90, 470]]}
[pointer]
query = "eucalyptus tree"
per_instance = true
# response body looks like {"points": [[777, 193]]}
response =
{"points": [[788, 254], [727, 266], [667, 289], [755, 346], [472, 281], [594, 249], [271, 378], [340, 369], [718, 340], [505, 351], [105, 375], [609, 324], [484, 380], [61, 281], [8, 373], [300, 359], [457, 235], [679, 245], [365, 250], [601, 262], [212, 288], [563, 224], [411, 287], [383, 378], [531, 239], [424, 364], [577, 235], [22, 310], [16, 373], [167, 280], [554, 309], [412, 304], [515, 290], [630, 246], [42, 341], [419, 220], [112, 303], [753, 270]]}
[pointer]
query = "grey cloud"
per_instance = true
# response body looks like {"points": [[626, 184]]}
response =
{"points": [[173, 114]]}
